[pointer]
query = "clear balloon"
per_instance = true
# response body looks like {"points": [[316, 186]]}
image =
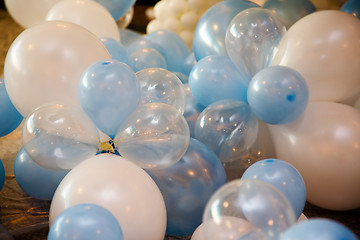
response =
{"points": [[117, 8], [156, 135], [116, 49], [120, 186], [129, 36], [186, 187], [85, 221], [352, 7], [49, 70], [251, 38], [278, 94], [2, 175], [58, 137], [189, 63], [146, 58], [35, 180], [109, 92]]}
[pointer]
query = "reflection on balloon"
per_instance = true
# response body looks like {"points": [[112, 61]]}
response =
{"points": [[116, 49], [146, 58]]}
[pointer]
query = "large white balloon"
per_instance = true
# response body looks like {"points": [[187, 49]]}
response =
{"points": [[120, 186]]}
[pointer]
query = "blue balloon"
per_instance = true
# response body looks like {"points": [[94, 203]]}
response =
{"points": [[145, 43], [128, 36], [85, 221], [35, 180], [278, 95], [2, 175], [10, 118], [116, 49], [109, 91], [209, 35], [117, 8], [146, 58], [284, 177], [215, 78], [319, 229], [352, 7], [189, 63], [187, 186]]}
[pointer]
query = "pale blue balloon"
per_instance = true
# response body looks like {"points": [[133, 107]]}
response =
{"points": [[116, 49], [146, 58], [145, 43], [209, 35], [2, 175], [189, 63], [128, 36], [352, 7], [192, 110], [117, 8]]}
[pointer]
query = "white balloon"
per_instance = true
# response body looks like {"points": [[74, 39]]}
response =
{"points": [[120, 186]]}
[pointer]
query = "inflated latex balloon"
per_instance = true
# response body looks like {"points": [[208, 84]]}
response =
{"points": [[278, 94], [109, 92], [86, 13], [58, 137], [257, 202], [156, 135], [142, 43], [318, 228], [284, 177], [228, 127], [215, 78], [161, 85], [189, 63], [186, 187], [116, 49], [2, 175], [129, 36], [209, 35], [251, 38], [117, 8], [321, 144], [35, 180], [49, 70], [10, 118], [146, 58], [352, 7], [85, 221], [121, 187], [324, 48]]}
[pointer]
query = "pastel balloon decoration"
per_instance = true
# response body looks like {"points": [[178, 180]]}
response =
{"points": [[186, 187], [2, 175], [189, 63], [116, 49], [35, 180], [85, 221], [161, 85], [251, 38], [352, 7], [328, 64], [129, 36], [216, 78], [156, 135], [58, 137], [142, 43], [109, 92], [49, 70], [284, 177], [278, 94], [321, 144], [146, 58], [121, 187], [117, 8]]}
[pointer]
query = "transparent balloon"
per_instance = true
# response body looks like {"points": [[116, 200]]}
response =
{"points": [[58, 137], [117, 8], [352, 7], [146, 58], [189, 63], [156, 135], [116, 49], [129, 36]]}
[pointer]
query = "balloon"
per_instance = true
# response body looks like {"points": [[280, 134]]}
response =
{"points": [[109, 92], [156, 135], [284, 177], [2, 175], [209, 35], [216, 78], [278, 94], [321, 144], [35, 180], [49, 70], [189, 63], [116, 49], [58, 137], [145, 43], [146, 58], [85, 221], [117, 8], [352, 7], [324, 48], [186, 187], [251, 38], [129, 36], [160, 85], [10, 118], [120, 186], [228, 127]]}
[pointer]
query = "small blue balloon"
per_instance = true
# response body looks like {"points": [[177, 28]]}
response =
{"points": [[187, 186], [284, 177], [352, 7], [10, 118], [116, 49], [129, 36], [145, 43], [35, 180], [86, 221], [146, 58], [2, 175], [278, 95], [117, 8]]}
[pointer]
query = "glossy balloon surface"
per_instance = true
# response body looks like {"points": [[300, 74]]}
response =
{"points": [[146, 58], [128, 36], [117, 8], [116, 49], [352, 7]]}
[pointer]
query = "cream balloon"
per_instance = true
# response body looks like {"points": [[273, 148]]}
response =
{"points": [[44, 64], [121, 187], [324, 146], [87, 13], [324, 48]]}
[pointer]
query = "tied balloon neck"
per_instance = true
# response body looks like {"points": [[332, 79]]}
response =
{"points": [[108, 147]]}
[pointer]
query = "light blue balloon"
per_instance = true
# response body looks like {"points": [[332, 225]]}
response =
{"points": [[215, 78], [117, 8], [85, 221], [10, 118], [146, 58], [352, 7], [145, 43], [35, 180], [2, 175], [278, 95], [116, 49], [319, 229], [209, 35], [189, 63], [284, 177], [128, 36], [186, 187], [109, 91]]}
